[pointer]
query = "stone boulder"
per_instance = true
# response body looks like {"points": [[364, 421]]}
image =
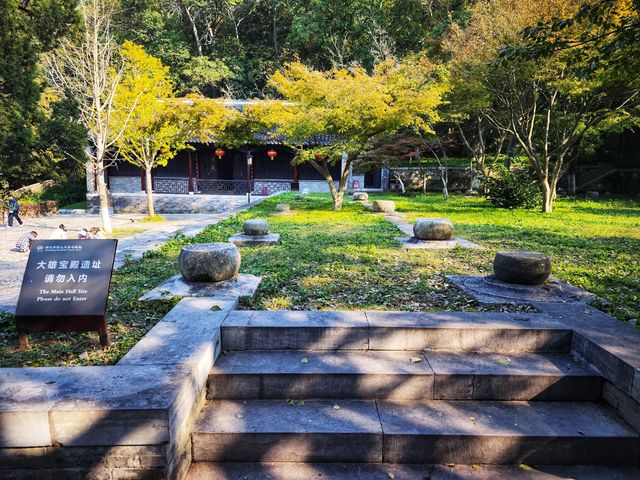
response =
{"points": [[522, 267], [360, 196], [256, 227], [433, 229], [209, 262], [283, 208], [384, 206]]}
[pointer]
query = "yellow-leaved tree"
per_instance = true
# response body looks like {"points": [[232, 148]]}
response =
{"points": [[353, 107], [159, 126]]}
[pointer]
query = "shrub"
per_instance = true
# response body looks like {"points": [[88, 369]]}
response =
{"points": [[513, 189], [66, 193]]}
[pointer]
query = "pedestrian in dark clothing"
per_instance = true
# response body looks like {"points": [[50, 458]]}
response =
{"points": [[14, 210]]}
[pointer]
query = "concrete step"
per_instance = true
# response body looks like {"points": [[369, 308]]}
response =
{"points": [[400, 375], [273, 430], [385, 471], [435, 432], [494, 332], [546, 433]]}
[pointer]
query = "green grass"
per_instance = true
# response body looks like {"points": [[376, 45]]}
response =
{"points": [[152, 219], [76, 206], [350, 260]]}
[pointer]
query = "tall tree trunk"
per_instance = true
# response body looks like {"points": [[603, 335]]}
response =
{"points": [[548, 195], [399, 178], [149, 186], [103, 196]]}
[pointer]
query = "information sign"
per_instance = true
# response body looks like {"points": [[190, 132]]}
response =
{"points": [[65, 288]]}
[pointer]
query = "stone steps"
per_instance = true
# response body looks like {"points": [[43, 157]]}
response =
{"points": [[385, 471], [401, 375], [434, 432], [340, 395], [504, 333]]}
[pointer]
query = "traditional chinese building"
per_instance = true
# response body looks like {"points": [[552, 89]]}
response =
{"points": [[209, 169]]}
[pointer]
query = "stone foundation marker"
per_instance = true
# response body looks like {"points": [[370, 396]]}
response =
{"points": [[283, 209], [209, 262], [384, 206], [433, 229], [522, 267], [256, 232], [431, 234], [360, 196], [208, 270]]}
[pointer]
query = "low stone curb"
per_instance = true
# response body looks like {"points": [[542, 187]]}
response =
{"points": [[133, 419]]}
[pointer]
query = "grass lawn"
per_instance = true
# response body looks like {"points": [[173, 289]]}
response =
{"points": [[350, 260], [76, 206]]}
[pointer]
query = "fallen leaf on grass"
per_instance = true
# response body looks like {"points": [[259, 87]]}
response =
{"points": [[304, 360], [391, 475], [526, 468]]}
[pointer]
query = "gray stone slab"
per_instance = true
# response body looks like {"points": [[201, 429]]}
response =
{"points": [[550, 377], [557, 433], [271, 430], [544, 472], [506, 333], [188, 336], [243, 240], [244, 285], [293, 330], [88, 405], [329, 375], [118, 405], [307, 471], [411, 243], [606, 343], [491, 290]]}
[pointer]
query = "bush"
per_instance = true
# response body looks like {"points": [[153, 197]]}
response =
{"points": [[66, 193], [513, 189]]}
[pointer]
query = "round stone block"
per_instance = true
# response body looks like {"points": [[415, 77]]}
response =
{"points": [[361, 196], [283, 207], [256, 227], [299, 197], [433, 229], [384, 206], [209, 262], [521, 267]]}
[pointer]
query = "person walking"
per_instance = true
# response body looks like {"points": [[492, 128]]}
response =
{"points": [[59, 233], [14, 210], [24, 241]]}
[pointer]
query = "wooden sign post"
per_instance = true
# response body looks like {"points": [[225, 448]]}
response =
{"points": [[65, 288]]}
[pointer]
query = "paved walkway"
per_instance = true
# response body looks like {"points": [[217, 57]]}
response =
{"points": [[12, 262]]}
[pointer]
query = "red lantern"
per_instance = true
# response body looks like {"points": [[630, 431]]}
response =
{"points": [[219, 153], [272, 154]]}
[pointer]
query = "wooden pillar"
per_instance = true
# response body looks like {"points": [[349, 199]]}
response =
{"points": [[190, 172]]}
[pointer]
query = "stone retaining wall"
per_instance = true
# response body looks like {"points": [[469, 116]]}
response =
{"points": [[132, 420], [167, 203]]}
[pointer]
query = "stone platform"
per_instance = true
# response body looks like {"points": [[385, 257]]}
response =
{"points": [[411, 243], [242, 240], [491, 290], [243, 285]]}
